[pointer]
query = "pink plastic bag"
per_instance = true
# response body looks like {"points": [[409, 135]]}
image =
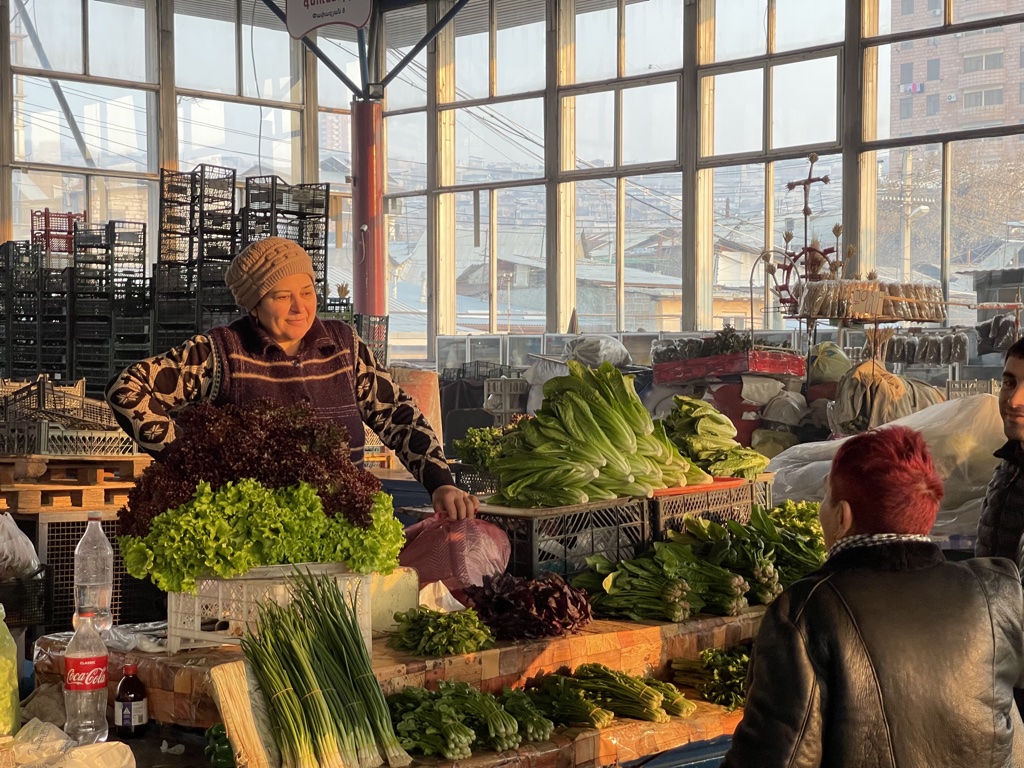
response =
{"points": [[458, 553]]}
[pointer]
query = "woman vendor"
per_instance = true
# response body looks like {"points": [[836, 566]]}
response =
{"points": [[281, 351]]}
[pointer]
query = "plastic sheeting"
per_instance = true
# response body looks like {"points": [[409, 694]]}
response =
{"points": [[962, 435], [869, 396]]}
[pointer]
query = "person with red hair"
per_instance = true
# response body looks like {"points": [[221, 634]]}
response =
{"points": [[887, 656]]}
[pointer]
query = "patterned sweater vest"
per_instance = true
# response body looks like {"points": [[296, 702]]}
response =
{"points": [[251, 366]]}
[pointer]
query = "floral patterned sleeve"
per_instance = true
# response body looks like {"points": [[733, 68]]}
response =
{"points": [[394, 415], [147, 394]]}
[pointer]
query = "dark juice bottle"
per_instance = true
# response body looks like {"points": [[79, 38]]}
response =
{"points": [[131, 710]]}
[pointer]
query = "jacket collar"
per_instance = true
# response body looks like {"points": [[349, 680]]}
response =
{"points": [[259, 342], [1011, 452], [897, 556]]}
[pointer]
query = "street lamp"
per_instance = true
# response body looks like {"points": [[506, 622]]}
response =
{"points": [[908, 216]]}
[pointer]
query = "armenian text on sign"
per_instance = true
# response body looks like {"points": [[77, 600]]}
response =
{"points": [[303, 16]]}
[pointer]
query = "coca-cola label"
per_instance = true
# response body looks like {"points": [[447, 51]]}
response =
{"points": [[85, 673]]}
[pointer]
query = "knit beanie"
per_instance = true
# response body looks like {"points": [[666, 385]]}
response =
{"points": [[260, 266]]}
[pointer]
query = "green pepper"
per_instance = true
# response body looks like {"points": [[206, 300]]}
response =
{"points": [[218, 748]]}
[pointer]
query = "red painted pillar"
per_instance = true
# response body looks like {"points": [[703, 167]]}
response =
{"points": [[369, 268]]}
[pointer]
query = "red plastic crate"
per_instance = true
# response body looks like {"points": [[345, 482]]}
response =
{"points": [[754, 361]]}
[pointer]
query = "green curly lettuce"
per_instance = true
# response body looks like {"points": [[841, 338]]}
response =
{"points": [[243, 525]]}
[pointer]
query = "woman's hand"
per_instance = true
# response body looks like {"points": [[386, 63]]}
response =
{"points": [[455, 503]]}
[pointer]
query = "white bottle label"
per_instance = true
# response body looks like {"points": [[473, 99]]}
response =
{"points": [[133, 713]]}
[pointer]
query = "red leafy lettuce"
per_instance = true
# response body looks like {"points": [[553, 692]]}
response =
{"points": [[516, 608], [277, 446]]}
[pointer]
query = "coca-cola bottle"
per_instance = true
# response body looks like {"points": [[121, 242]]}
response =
{"points": [[94, 573], [85, 683]]}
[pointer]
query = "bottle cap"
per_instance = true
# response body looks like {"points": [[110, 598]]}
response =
{"points": [[86, 614], [131, 668], [95, 515]]}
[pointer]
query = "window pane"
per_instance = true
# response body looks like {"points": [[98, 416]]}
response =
{"points": [[907, 217], [251, 140], [522, 260], [403, 30], [738, 108], [595, 131], [36, 190], [339, 243], [204, 47], [597, 34], [891, 16], [117, 40], [825, 201], [649, 123], [500, 142], [125, 200], [595, 256], [739, 240], [407, 151], [472, 262], [58, 45], [654, 255], [335, 148], [339, 43], [407, 279], [522, 62], [965, 73], [654, 36], [111, 122], [799, 24], [790, 126], [986, 216], [272, 73], [741, 29], [472, 51]]}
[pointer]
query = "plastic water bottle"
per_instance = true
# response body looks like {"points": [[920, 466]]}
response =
{"points": [[94, 574], [85, 684]]}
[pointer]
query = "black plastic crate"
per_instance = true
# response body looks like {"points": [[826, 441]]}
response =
{"points": [[707, 501], [27, 600], [560, 540], [373, 330], [475, 481]]}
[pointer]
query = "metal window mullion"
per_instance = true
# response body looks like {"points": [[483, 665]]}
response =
{"points": [[440, 172], [766, 116], [468, 103], [492, 48], [616, 128], [492, 234], [75, 77], [228, 97], [559, 142], [620, 40], [697, 125], [620, 254], [6, 126], [166, 117], [239, 51], [599, 86], [80, 170], [946, 236], [852, 103], [309, 139], [85, 36]]}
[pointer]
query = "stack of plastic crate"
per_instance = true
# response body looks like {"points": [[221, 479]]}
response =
{"points": [[132, 294], [373, 330], [54, 233], [21, 265], [92, 303], [297, 212], [54, 325]]}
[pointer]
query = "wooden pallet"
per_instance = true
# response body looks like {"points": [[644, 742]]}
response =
{"points": [[82, 470], [34, 498]]}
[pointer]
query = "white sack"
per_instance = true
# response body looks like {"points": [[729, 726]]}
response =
{"points": [[962, 435]]}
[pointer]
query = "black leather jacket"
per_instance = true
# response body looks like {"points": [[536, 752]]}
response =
{"points": [[1002, 513], [887, 657]]}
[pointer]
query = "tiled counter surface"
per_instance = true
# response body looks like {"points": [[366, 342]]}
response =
{"points": [[179, 686]]}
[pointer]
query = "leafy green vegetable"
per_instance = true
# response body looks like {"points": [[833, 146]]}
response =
{"points": [[480, 447], [799, 517], [719, 676], [532, 724], [243, 525], [705, 437], [796, 554], [426, 632]]}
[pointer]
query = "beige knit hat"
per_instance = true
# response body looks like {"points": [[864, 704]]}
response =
{"points": [[260, 266]]}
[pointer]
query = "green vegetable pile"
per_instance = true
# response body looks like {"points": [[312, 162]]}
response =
{"points": [[592, 440], [459, 717], [426, 632], [719, 676], [705, 437], [218, 749], [799, 550], [480, 448], [799, 517], [594, 694], [242, 525], [669, 583], [326, 707]]}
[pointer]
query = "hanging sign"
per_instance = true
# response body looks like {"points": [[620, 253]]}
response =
{"points": [[303, 16]]}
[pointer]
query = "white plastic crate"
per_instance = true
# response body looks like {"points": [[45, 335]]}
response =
{"points": [[230, 607], [970, 387], [505, 398]]}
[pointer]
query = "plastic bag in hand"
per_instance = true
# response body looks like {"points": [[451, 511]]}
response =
{"points": [[455, 552], [17, 555]]}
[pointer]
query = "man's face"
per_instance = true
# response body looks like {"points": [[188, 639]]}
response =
{"points": [[1011, 399]]}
